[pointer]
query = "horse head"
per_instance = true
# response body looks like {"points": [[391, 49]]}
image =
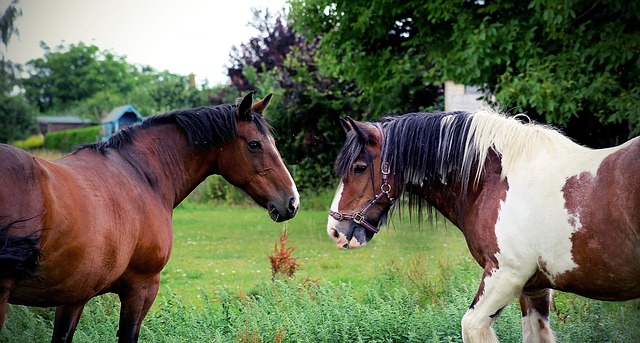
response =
{"points": [[252, 162], [364, 195]]}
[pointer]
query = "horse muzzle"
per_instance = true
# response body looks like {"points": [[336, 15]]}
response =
{"points": [[282, 211], [352, 238]]}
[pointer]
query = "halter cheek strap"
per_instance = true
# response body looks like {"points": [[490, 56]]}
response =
{"points": [[385, 188]]}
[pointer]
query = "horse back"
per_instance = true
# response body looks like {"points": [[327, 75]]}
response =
{"points": [[604, 210], [611, 199]]}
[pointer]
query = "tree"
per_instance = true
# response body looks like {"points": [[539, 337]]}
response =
{"points": [[572, 63], [8, 70], [16, 115], [171, 91], [307, 105], [67, 75], [7, 26], [262, 53], [86, 81], [306, 114]]}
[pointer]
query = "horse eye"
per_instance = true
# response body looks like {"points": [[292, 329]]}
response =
{"points": [[360, 168], [255, 146]]}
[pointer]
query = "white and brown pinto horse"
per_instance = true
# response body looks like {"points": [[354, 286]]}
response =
{"points": [[538, 211]]}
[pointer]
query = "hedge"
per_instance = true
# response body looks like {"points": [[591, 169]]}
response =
{"points": [[30, 143], [67, 140]]}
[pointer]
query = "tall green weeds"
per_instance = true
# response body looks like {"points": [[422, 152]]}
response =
{"points": [[287, 310]]}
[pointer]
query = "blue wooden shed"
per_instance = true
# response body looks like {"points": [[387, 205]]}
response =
{"points": [[119, 118]]}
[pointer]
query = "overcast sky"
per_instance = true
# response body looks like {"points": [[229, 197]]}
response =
{"points": [[182, 36]]}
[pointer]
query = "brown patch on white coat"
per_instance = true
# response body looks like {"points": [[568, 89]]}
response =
{"points": [[606, 243]]}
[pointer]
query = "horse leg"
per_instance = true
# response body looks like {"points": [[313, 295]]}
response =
{"points": [[6, 285], [535, 317], [65, 322], [136, 299], [497, 289]]}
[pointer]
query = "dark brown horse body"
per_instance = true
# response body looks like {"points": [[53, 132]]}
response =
{"points": [[102, 215], [538, 211]]}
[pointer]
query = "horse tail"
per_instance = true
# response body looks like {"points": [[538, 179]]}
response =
{"points": [[19, 255]]}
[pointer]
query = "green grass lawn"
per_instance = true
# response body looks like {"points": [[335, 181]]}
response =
{"points": [[228, 246]]}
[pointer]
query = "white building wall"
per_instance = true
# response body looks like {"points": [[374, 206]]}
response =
{"points": [[461, 98]]}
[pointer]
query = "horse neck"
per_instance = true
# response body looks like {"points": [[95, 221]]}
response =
{"points": [[458, 202], [168, 163]]}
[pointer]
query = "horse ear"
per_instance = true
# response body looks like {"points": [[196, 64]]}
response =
{"points": [[242, 111], [361, 130], [345, 125], [261, 105]]}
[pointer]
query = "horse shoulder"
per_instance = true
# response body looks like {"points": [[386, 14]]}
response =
{"points": [[20, 186], [154, 245]]}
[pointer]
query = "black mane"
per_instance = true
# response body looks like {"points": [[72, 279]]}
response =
{"points": [[424, 148], [205, 127]]}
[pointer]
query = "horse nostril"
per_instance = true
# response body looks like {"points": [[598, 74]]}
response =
{"points": [[345, 246], [335, 233], [292, 204]]}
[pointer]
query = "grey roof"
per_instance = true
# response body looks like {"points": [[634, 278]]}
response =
{"points": [[117, 112], [63, 120]]}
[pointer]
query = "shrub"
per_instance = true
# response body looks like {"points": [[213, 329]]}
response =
{"points": [[318, 199], [429, 281], [30, 143], [67, 140], [215, 189], [281, 261]]}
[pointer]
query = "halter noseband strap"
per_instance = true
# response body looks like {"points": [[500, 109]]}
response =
{"points": [[385, 188]]}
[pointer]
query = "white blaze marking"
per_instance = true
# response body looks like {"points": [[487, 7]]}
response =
{"points": [[296, 195], [332, 223]]}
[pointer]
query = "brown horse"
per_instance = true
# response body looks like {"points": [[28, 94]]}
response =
{"points": [[538, 211], [99, 219]]}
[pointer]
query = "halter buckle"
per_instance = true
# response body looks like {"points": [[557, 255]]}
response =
{"points": [[336, 215], [358, 218], [386, 169]]}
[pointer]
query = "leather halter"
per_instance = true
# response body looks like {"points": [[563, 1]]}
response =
{"points": [[385, 188]]}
